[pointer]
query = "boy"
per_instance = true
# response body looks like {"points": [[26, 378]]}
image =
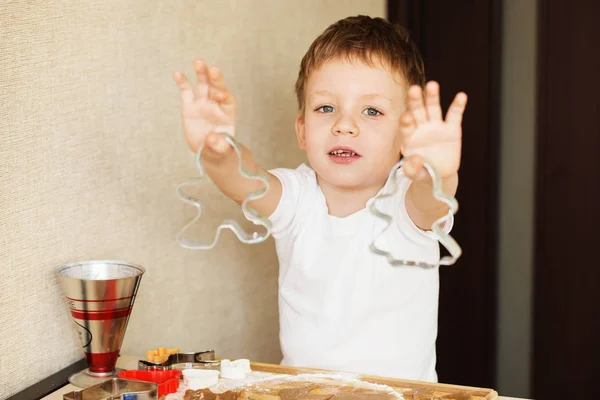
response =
{"points": [[361, 107]]}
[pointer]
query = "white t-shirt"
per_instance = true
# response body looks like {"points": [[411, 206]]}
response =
{"points": [[342, 307]]}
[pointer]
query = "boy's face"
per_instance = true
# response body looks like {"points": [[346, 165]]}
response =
{"points": [[350, 128]]}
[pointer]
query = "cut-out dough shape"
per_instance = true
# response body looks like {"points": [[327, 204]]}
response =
{"points": [[438, 226], [250, 213]]}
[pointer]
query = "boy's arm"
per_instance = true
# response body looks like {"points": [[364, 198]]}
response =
{"points": [[422, 207], [208, 107], [222, 165], [426, 136]]}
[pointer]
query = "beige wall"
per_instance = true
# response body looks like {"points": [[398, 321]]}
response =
{"points": [[91, 152]]}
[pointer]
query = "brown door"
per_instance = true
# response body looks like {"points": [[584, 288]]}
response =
{"points": [[566, 342], [459, 41]]}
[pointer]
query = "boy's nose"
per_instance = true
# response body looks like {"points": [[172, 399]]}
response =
{"points": [[345, 126]]}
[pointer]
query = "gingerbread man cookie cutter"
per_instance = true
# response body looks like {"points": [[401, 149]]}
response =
{"points": [[437, 228], [250, 213]]}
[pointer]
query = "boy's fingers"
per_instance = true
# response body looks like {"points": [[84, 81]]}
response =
{"points": [[223, 97], [186, 89], [201, 78], [413, 166], [217, 143], [407, 125], [432, 101], [457, 109], [416, 105], [229, 99], [201, 74], [219, 92], [216, 78]]}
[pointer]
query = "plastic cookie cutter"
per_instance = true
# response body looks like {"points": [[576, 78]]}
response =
{"points": [[250, 213], [445, 239], [237, 369]]}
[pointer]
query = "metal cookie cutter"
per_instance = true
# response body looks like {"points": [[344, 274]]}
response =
{"points": [[446, 240], [202, 359], [250, 213], [116, 388]]}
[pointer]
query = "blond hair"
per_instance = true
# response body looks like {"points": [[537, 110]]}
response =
{"points": [[362, 38]]}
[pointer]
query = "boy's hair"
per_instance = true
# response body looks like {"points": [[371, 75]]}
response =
{"points": [[360, 38]]}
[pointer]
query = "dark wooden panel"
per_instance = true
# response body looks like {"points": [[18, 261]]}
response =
{"points": [[566, 295], [460, 43], [48, 385]]}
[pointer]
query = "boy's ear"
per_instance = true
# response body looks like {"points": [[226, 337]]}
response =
{"points": [[300, 130]]}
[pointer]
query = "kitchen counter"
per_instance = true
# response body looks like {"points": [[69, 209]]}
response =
{"points": [[130, 362]]}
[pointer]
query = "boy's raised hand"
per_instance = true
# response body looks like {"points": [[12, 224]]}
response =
{"points": [[206, 108], [427, 136]]}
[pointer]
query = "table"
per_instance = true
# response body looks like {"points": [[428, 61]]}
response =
{"points": [[130, 362]]}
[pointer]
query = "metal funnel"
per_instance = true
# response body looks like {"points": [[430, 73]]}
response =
{"points": [[101, 295]]}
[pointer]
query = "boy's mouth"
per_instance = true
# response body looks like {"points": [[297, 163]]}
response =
{"points": [[344, 152], [343, 155]]}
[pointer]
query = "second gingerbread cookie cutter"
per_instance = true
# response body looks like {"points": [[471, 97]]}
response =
{"points": [[437, 228], [250, 213]]}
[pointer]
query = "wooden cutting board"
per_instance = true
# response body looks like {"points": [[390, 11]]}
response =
{"points": [[411, 390]]}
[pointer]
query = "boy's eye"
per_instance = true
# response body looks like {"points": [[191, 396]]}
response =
{"points": [[372, 112], [326, 109]]}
